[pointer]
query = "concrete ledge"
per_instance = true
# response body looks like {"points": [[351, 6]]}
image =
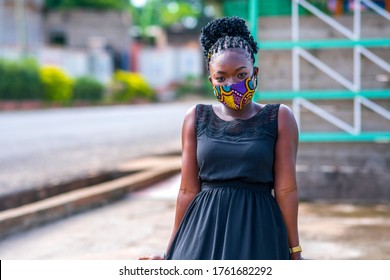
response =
{"points": [[32, 195], [37, 213]]}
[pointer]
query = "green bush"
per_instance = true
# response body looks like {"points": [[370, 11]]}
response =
{"points": [[128, 86], [19, 80], [57, 86], [87, 88]]}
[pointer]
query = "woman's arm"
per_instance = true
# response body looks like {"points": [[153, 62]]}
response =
{"points": [[189, 185], [286, 192]]}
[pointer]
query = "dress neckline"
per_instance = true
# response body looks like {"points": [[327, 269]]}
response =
{"points": [[235, 120]]}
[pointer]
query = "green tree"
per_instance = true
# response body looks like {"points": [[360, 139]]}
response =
{"points": [[175, 12], [164, 14]]}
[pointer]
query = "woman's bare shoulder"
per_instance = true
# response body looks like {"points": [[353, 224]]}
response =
{"points": [[191, 111], [285, 114], [190, 114], [286, 120]]}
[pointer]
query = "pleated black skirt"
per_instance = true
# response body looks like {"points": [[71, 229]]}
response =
{"points": [[235, 222]]}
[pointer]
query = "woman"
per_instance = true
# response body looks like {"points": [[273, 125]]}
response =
{"points": [[233, 156]]}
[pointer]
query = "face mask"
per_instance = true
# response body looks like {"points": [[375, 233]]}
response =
{"points": [[236, 96]]}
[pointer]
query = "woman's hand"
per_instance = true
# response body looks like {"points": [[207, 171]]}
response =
{"points": [[296, 256], [152, 257]]}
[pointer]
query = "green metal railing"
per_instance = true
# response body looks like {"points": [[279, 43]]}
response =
{"points": [[354, 92], [325, 44]]}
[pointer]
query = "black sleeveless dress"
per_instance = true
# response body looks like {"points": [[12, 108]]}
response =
{"points": [[235, 216]]}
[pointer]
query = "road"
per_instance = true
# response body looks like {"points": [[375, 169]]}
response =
{"points": [[44, 147]]}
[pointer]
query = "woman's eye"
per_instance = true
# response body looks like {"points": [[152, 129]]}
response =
{"points": [[241, 75], [220, 79]]}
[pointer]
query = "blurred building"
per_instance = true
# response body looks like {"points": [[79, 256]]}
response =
{"points": [[175, 57], [97, 42], [21, 27], [82, 42], [91, 29]]}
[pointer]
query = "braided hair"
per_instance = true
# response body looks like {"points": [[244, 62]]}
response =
{"points": [[227, 33]]}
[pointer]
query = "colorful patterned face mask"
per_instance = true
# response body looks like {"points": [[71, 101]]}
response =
{"points": [[236, 96]]}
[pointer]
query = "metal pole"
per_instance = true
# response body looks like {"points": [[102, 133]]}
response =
{"points": [[253, 12], [295, 50], [357, 20], [295, 21], [253, 15], [356, 49], [296, 69]]}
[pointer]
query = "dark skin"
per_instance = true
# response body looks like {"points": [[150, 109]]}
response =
{"points": [[228, 67]]}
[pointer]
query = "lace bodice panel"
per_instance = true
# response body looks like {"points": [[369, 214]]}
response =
{"points": [[236, 150]]}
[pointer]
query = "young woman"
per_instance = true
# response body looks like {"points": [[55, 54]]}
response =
{"points": [[233, 156]]}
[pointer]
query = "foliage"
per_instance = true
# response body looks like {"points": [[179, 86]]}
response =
{"points": [[165, 13], [25, 80], [19, 80], [87, 88], [174, 12], [97, 4], [128, 86], [57, 86]]}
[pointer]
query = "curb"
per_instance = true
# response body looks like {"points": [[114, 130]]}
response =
{"points": [[153, 170], [24, 197]]}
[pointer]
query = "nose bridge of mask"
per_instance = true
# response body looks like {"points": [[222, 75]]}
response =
{"points": [[229, 86]]}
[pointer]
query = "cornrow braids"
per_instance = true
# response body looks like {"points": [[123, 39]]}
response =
{"points": [[227, 33]]}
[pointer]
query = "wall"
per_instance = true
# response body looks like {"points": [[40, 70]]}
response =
{"points": [[82, 26], [164, 67], [355, 172], [13, 33]]}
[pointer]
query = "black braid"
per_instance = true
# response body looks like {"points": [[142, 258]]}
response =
{"points": [[227, 33]]}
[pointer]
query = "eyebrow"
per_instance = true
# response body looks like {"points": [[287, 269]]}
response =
{"points": [[239, 68]]}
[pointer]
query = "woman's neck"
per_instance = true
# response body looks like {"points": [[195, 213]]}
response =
{"points": [[245, 113]]}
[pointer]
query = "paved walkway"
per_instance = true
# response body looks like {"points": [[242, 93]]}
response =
{"points": [[141, 224]]}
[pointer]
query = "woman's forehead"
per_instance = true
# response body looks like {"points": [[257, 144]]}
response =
{"points": [[231, 58]]}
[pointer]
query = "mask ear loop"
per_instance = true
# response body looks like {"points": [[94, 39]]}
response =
{"points": [[255, 81]]}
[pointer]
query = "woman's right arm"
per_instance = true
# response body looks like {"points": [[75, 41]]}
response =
{"points": [[189, 185]]}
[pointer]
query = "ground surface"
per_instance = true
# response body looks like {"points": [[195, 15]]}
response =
{"points": [[141, 225]]}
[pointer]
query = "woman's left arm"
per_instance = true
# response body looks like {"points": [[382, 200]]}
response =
{"points": [[286, 192]]}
